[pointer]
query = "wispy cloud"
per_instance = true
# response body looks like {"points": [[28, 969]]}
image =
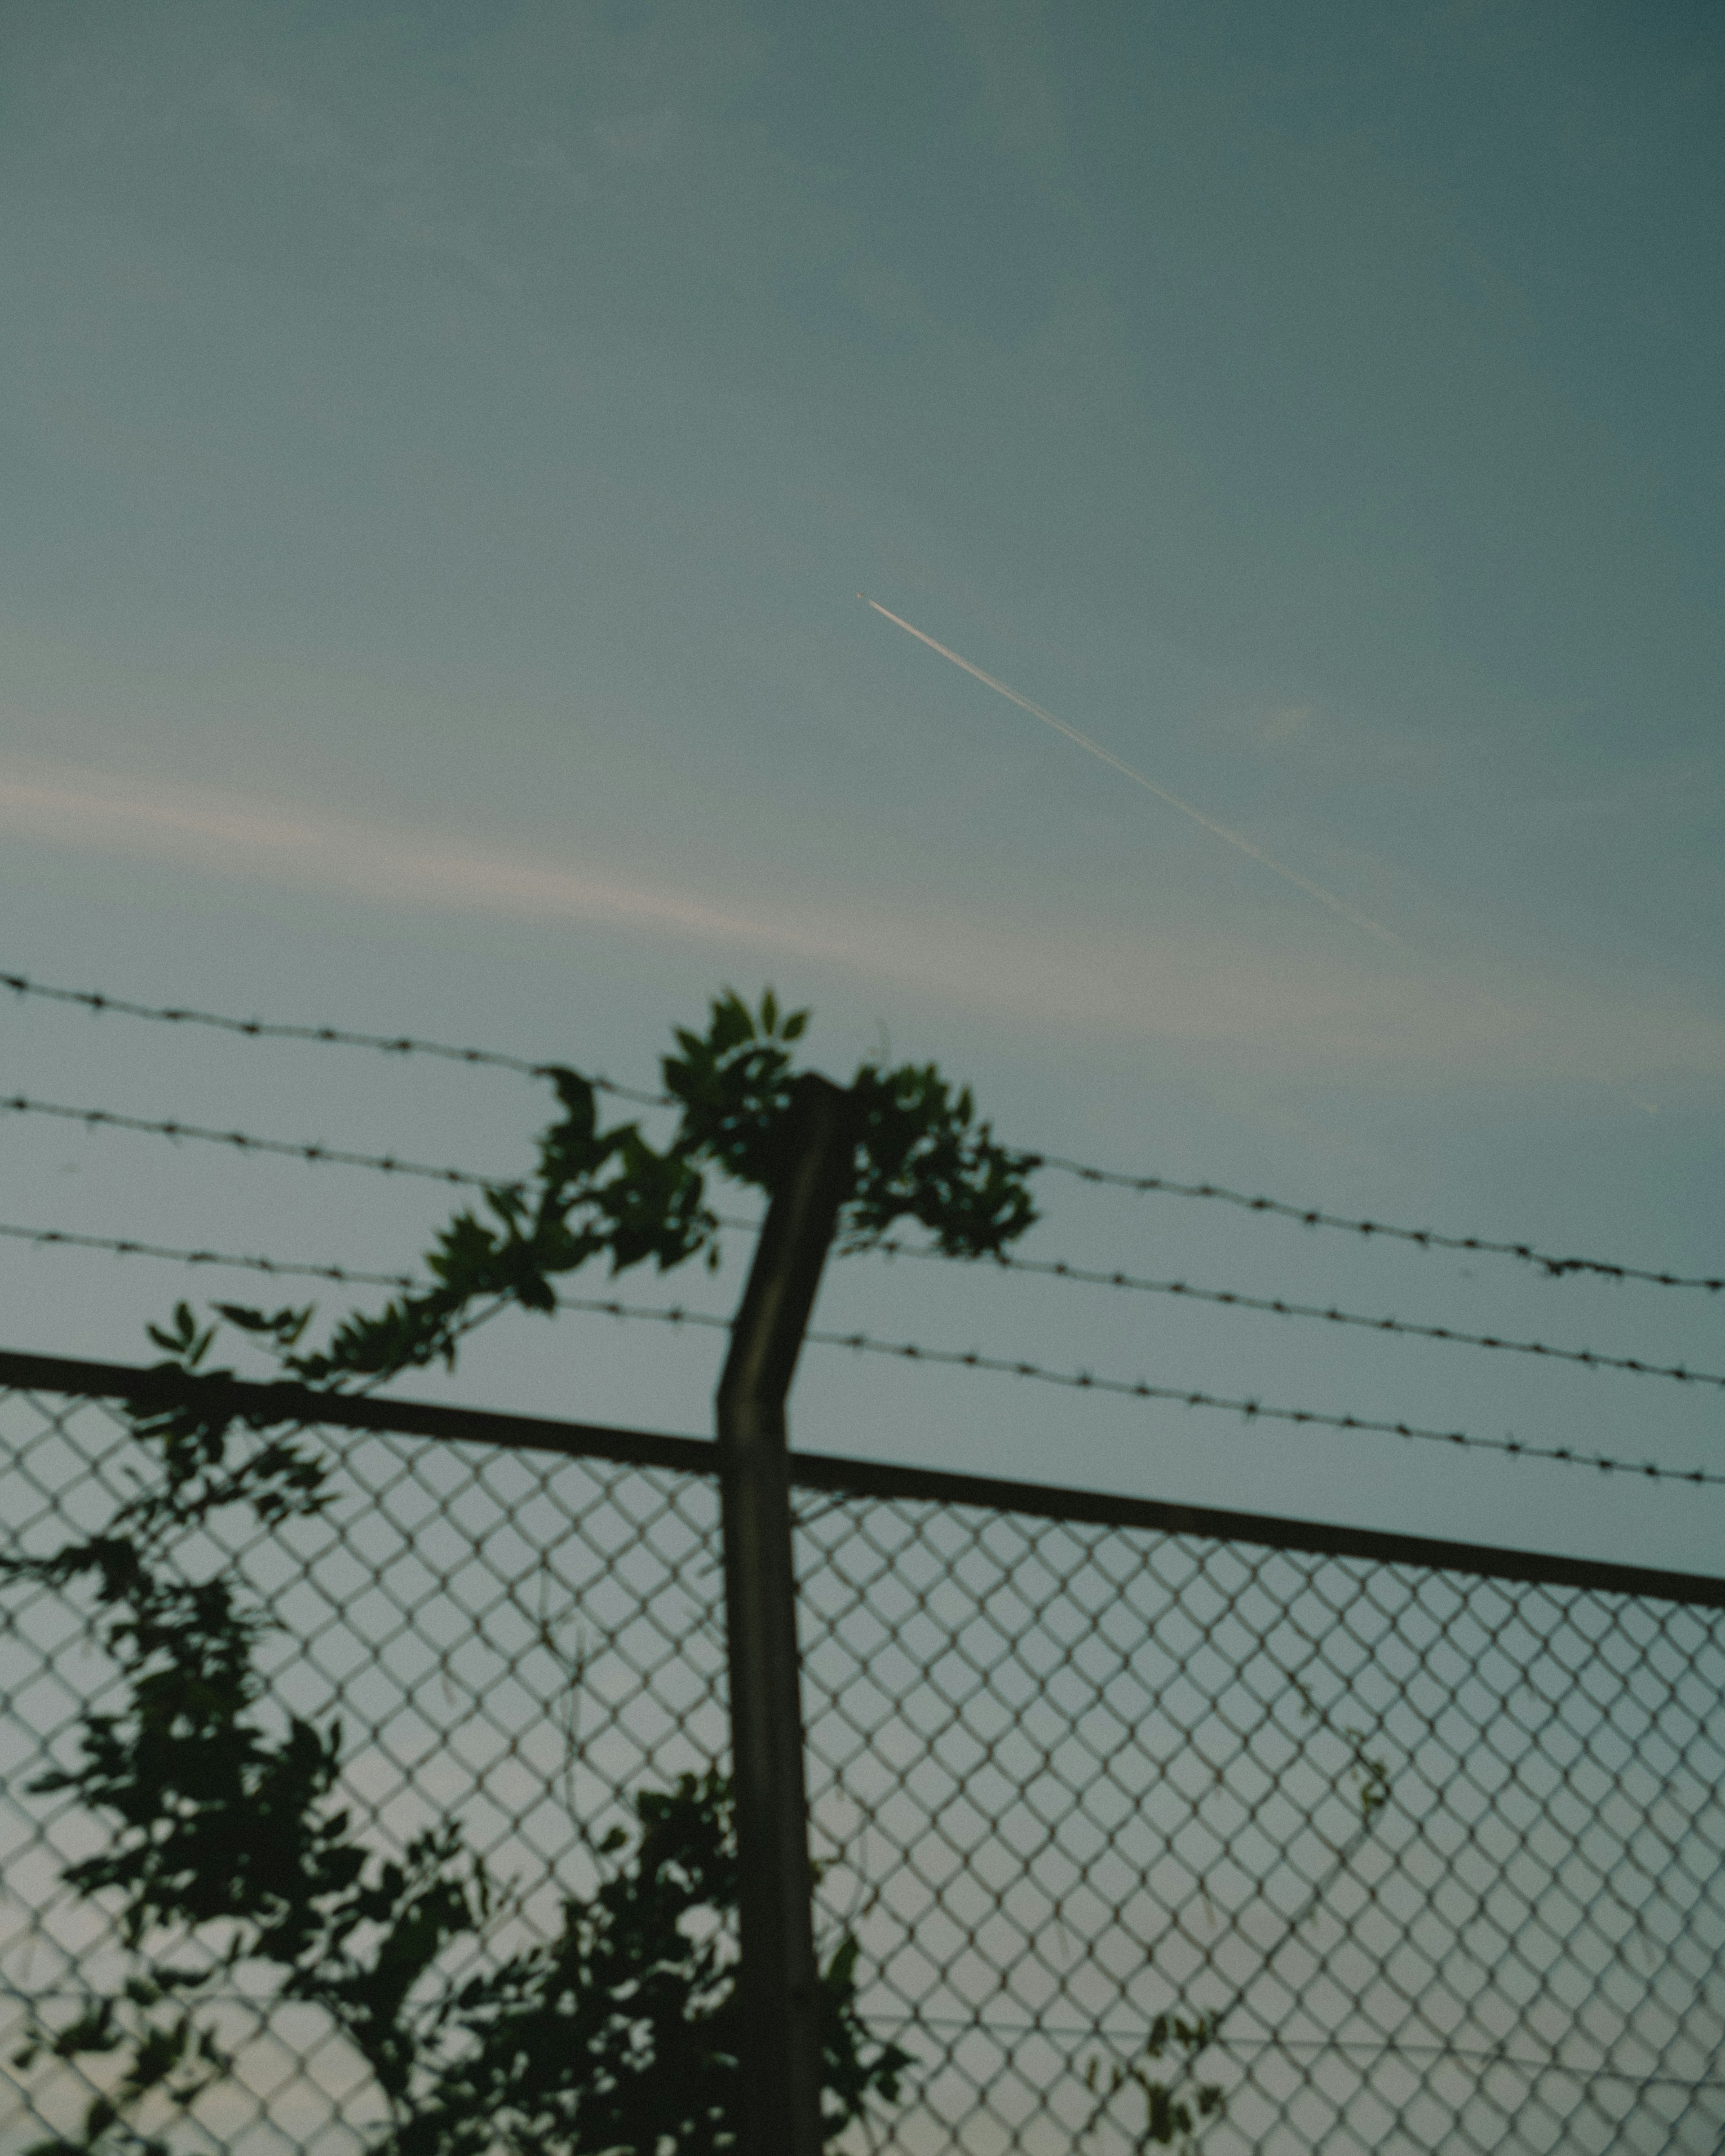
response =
{"points": [[204, 830], [1201, 991]]}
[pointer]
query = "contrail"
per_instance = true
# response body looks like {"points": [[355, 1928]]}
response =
{"points": [[1217, 830]]}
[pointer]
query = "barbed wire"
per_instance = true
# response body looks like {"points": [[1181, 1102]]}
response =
{"points": [[1426, 1238], [905, 1351], [321, 1156], [280, 1268], [389, 1164], [1084, 1276], [124, 1247], [1308, 1216], [1054, 1268], [1138, 1388], [127, 1247], [326, 1036]]}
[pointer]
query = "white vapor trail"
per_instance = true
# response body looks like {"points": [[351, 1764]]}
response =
{"points": [[1217, 830]]}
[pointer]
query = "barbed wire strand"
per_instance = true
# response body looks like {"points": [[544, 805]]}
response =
{"points": [[322, 1156], [1138, 1388], [469, 1324], [124, 1247], [325, 1035], [1426, 1238], [1084, 1276], [907, 1351], [1308, 1216]]}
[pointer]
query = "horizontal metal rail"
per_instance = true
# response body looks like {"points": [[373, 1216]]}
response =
{"points": [[277, 1404]]}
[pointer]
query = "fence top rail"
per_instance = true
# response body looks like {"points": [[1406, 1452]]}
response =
{"points": [[275, 1404]]}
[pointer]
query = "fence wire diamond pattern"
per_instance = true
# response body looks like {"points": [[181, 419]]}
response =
{"points": [[1417, 1860]]}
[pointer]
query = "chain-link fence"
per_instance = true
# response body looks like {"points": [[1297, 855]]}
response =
{"points": [[1330, 1845]]}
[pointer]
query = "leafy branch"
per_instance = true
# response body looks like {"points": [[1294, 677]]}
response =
{"points": [[1173, 2115], [230, 1848], [921, 1153]]}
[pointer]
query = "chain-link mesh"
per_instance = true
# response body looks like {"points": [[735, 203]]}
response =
{"points": [[1428, 1861], [513, 1640], [1393, 1858]]}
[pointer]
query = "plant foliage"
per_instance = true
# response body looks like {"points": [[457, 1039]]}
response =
{"points": [[229, 1850], [231, 1856], [1175, 2104], [921, 1154]]}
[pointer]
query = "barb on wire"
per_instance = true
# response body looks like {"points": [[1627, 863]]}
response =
{"points": [[1308, 1216], [328, 1036], [671, 1314], [907, 1351], [1428, 1239], [318, 1155], [287, 1148], [123, 1247], [1138, 1389], [1057, 1268]]}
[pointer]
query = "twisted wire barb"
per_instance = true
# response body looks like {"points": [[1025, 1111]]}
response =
{"points": [[322, 1156], [328, 1036], [122, 1247], [1426, 1238], [127, 1247], [242, 1141], [1309, 1216], [1084, 1276], [1139, 1390], [1057, 1268], [907, 1351]]}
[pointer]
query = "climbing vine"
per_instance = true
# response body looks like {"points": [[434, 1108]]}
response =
{"points": [[229, 1848]]}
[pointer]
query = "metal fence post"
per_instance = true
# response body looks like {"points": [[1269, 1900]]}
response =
{"points": [[777, 1986]]}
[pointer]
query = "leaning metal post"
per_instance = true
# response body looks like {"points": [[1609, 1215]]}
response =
{"points": [[778, 1988]]}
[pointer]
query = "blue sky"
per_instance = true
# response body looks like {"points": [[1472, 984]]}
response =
{"points": [[444, 445]]}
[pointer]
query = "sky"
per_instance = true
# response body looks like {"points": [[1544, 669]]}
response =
{"points": [[445, 447]]}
